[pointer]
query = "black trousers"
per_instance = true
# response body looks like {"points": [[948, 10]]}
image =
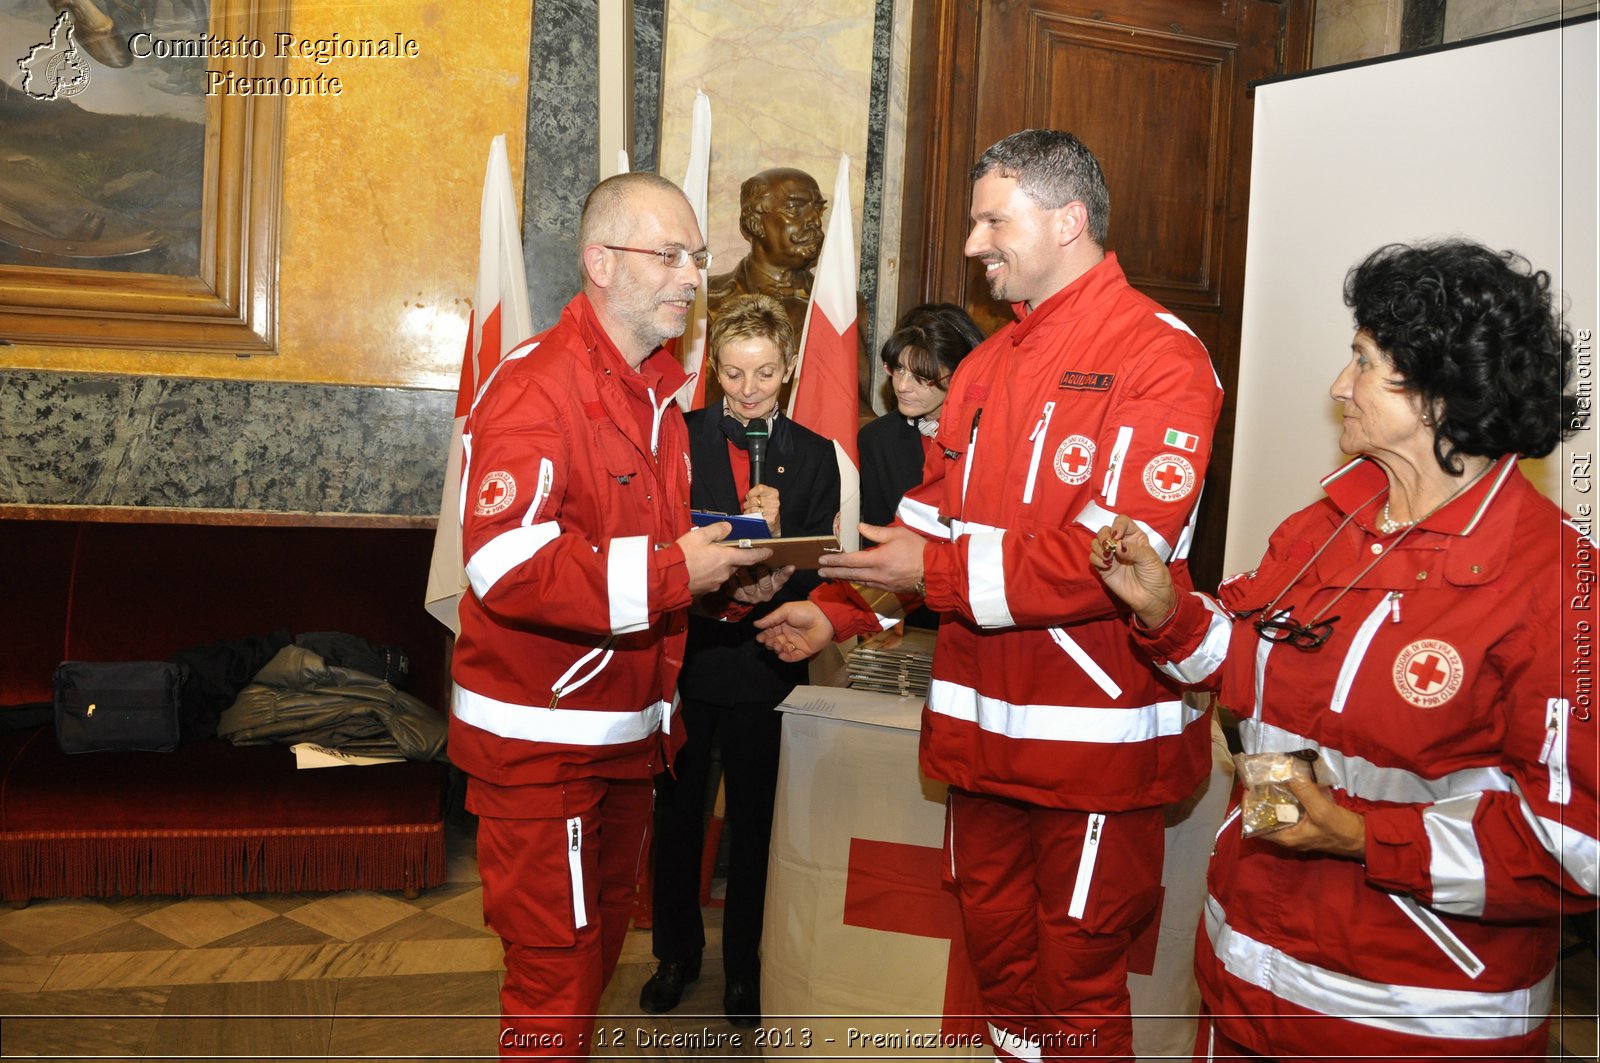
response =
{"points": [[748, 736]]}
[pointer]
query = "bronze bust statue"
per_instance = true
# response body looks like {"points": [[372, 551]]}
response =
{"points": [[780, 214]]}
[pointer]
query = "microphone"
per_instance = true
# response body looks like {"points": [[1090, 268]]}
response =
{"points": [[755, 434]]}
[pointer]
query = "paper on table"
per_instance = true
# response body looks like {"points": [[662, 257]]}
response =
{"points": [[311, 755]]}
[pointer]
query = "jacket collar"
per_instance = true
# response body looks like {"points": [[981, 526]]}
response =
{"points": [[1359, 485], [1077, 298], [659, 371]]}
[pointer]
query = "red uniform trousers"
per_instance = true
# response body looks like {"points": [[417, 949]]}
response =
{"points": [[558, 888], [1048, 919]]}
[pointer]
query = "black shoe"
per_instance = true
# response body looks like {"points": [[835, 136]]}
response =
{"points": [[741, 1000], [665, 987]]}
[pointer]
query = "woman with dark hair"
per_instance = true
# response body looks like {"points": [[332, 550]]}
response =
{"points": [[918, 357], [1412, 629]]}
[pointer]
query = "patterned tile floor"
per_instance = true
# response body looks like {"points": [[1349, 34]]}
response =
{"points": [[346, 975]]}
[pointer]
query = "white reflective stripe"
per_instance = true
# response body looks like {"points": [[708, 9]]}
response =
{"points": [[1421, 1011], [1087, 663], [466, 470], [1263, 648], [1456, 865], [1358, 652], [1578, 853], [1061, 723], [521, 350], [1176, 323], [1231, 817], [1094, 516], [1186, 537], [1430, 924], [1016, 1045], [986, 580], [966, 468], [628, 583], [1554, 755], [505, 552], [1361, 778], [1091, 849], [547, 479], [580, 908], [573, 727], [887, 622], [1213, 649], [923, 518], [1038, 435], [959, 528], [1119, 451]]}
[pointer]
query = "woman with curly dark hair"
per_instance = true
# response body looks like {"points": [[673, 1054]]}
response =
{"points": [[1412, 629]]}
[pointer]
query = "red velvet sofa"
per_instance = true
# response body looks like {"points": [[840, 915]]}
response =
{"points": [[208, 818]]}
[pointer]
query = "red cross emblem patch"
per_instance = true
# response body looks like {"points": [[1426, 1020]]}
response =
{"points": [[497, 491], [1074, 459], [1428, 673], [1169, 477]]}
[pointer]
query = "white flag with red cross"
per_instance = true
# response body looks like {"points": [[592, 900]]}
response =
{"points": [[824, 394], [500, 321]]}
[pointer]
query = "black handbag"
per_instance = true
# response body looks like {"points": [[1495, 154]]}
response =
{"points": [[107, 706]]}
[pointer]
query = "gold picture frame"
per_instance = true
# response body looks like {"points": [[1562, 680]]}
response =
{"points": [[228, 304]]}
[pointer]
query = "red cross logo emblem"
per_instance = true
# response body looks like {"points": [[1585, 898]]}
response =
{"points": [[496, 492], [900, 888], [1169, 477], [1428, 673], [1074, 459]]}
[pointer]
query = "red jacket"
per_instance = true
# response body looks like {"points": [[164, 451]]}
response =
{"points": [[1098, 402], [1446, 707], [575, 486]]}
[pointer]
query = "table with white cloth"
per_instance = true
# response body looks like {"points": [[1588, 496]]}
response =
{"points": [[862, 953]]}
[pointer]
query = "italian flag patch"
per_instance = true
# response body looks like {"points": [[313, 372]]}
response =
{"points": [[1181, 440]]}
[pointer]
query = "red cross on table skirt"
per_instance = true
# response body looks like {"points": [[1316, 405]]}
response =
{"points": [[1426, 673], [900, 888]]}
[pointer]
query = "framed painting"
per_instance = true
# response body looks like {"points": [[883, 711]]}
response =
{"points": [[140, 164]]}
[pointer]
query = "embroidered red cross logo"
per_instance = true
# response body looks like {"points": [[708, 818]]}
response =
{"points": [[900, 888], [1169, 476], [491, 493], [1426, 675], [1075, 459]]}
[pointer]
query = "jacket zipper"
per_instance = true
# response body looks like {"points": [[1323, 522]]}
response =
{"points": [[972, 453], [1554, 754], [561, 687], [547, 479], [1091, 849], [1389, 606], [1038, 435]]}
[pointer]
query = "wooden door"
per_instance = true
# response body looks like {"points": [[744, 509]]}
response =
{"points": [[1159, 90]]}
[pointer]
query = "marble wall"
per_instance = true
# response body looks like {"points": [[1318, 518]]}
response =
{"points": [[1348, 30]]}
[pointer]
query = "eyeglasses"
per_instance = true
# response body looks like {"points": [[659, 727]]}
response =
{"points": [[1281, 627], [671, 257]]}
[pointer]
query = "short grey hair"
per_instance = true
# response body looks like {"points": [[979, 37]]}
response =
{"points": [[1053, 168]]}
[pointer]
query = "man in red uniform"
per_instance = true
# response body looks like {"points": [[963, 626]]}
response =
{"points": [[1059, 742], [582, 562]]}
